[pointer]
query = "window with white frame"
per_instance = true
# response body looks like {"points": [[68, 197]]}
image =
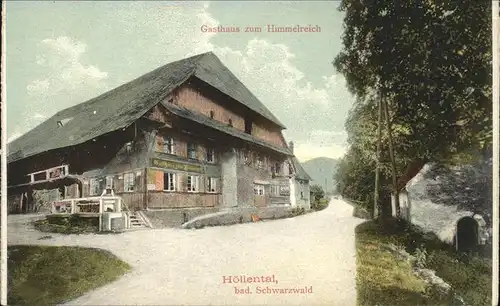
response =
{"points": [[168, 145], [128, 182], [94, 187], [260, 162], [212, 184], [168, 181], [277, 168], [258, 189], [191, 150], [210, 155], [57, 172], [193, 183], [245, 156], [109, 182], [275, 190]]}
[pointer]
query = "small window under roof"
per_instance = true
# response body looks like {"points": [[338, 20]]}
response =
{"points": [[63, 121]]}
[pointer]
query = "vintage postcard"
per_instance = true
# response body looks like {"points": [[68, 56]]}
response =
{"points": [[250, 153]]}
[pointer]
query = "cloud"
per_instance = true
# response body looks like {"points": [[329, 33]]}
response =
{"points": [[39, 116], [65, 80], [38, 87], [168, 31]]}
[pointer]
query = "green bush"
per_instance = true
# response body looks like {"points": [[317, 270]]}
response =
{"points": [[360, 212], [73, 224], [317, 193], [469, 276], [319, 205], [56, 219], [297, 211]]}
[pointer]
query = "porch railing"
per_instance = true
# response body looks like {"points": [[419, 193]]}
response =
{"points": [[90, 205], [93, 207]]}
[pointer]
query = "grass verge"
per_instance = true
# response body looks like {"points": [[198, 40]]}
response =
{"points": [[49, 275], [319, 205], [383, 279]]}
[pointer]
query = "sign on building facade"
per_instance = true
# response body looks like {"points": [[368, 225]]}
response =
{"points": [[173, 165]]}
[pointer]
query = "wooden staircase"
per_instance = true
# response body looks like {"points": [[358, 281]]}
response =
{"points": [[136, 219]]}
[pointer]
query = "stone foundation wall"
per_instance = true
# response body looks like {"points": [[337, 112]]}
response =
{"points": [[175, 217], [240, 215], [198, 217]]}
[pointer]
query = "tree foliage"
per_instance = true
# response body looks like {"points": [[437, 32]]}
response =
{"points": [[317, 192], [433, 63]]}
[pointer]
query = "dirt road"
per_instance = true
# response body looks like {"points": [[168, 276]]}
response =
{"points": [[313, 252]]}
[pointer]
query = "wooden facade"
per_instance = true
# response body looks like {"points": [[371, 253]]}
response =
{"points": [[166, 162]]}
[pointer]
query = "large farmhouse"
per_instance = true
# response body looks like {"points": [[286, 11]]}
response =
{"points": [[186, 136]]}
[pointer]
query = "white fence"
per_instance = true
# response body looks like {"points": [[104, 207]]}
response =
{"points": [[90, 205], [94, 207]]}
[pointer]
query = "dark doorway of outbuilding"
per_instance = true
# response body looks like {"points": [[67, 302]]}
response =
{"points": [[466, 238]]}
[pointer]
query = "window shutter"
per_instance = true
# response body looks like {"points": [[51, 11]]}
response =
{"points": [[202, 152], [204, 183], [151, 176], [181, 183], [184, 182], [136, 181], [159, 143], [86, 189], [173, 143], [102, 185], [159, 180], [119, 183]]}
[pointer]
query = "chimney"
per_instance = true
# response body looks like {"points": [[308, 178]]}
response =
{"points": [[290, 145]]}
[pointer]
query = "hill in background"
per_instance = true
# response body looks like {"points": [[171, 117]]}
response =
{"points": [[321, 170]]}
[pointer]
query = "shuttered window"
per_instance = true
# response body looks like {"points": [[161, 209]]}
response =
{"points": [[213, 184], [191, 151], [168, 145], [193, 183], [210, 155], [128, 182], [109, 182], [275, 190], [258, 189], [95, 188], [168, 181]]}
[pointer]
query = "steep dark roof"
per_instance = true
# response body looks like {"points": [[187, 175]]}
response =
{"points": [[300, 172], [122, 106]]}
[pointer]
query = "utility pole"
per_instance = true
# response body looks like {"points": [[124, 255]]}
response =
{"points": [[376, 207], [393, 160]]}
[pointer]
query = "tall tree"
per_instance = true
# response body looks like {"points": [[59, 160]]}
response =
{"points": [[395, 189], [433, 62], [376, 203]]}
